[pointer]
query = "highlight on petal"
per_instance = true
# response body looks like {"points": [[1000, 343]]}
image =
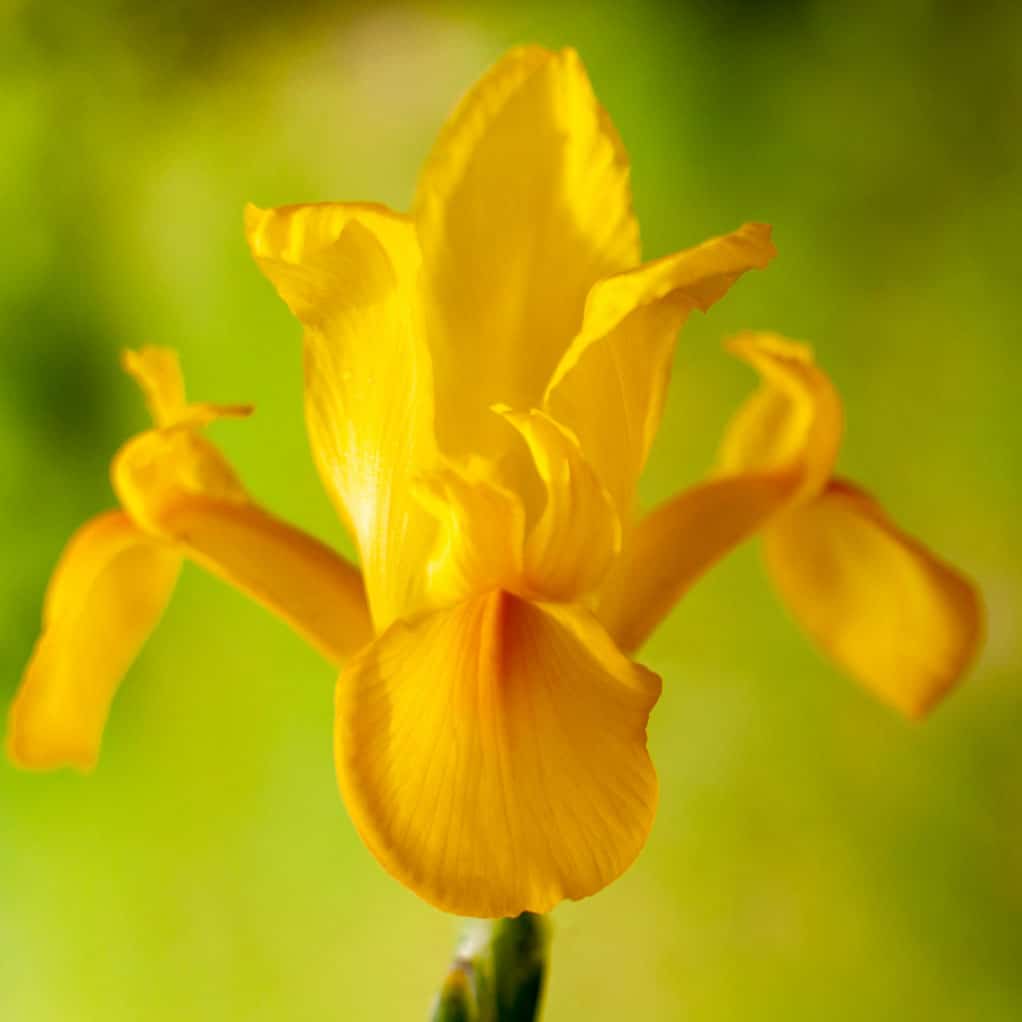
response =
{"points": [[670, 548], [481, 532], [350, 274], [610, 385], [107, 593], [523, 205], [901, 621], [794, 418], [316, 591], [493, 756], [578, 534]]}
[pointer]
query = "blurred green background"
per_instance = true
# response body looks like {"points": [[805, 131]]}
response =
{"points": [[814, 857]]}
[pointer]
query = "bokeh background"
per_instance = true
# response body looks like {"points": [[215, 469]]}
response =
{"points": [[814, 856]]}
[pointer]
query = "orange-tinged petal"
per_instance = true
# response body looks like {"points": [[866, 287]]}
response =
{"points": [[522, 206], [493, 756], [481, 532], [610, 385], [901, 621], [571, 546], [106, 595], [305, 583], [350, 274], [670, 548], [793, 419]]}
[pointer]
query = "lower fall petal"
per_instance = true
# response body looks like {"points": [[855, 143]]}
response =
{"points": [[305, 583], [105, 597], [898, 619], [670, 548], [493, 756]]}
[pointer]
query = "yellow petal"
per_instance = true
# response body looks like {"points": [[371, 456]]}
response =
{"points": [[154, 469], [670, 548], [523, 205], [481, 533], [898, 619], [493, 756], [316, 591], [794, 419], [178, 487], [571, 546], [610, 385], [158, 373], [350, 274], [105, 597], [296, 247]]}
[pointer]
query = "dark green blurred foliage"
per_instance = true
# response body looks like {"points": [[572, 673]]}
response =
{"points": [[814, 857]]}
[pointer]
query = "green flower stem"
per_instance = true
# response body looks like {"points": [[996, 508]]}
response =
{"points": [[497, 974]]}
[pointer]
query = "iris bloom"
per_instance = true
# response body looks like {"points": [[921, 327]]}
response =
{"points": [[179, 497], [484, 378]]}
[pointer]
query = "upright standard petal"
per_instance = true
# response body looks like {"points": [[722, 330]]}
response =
{"points": [[493, 756], [523, 205], [105, 597], [898, 619], [793, 420], [610, 385], [350, 274]]}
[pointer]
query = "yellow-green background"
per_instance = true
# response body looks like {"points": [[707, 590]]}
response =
{"points": [[815, 857]]}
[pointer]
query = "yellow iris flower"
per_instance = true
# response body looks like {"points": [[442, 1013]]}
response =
{"points": [[484, 378], [179, 497]]}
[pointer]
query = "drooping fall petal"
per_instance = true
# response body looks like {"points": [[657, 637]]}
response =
{"points": [[794, 419], [609, 386], [105, 597], [670, 548], [179, 487], [892, 614], [350, 275], [493, 756], [522, 206], [305, 583], [779, 446], [577, 535]]}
